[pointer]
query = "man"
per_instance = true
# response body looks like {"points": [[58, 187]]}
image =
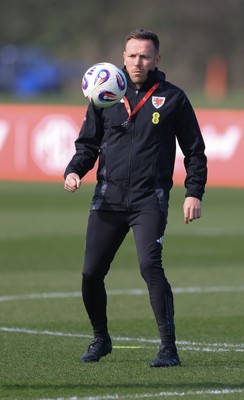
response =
{"points": [[136, 150]]}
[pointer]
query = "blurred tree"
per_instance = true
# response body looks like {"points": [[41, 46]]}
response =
{"points": [[192, 32]]}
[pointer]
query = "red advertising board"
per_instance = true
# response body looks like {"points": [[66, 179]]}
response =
{"points": [[36, 143]]}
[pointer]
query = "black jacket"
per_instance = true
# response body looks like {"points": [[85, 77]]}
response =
{"points": [[136, 161]]}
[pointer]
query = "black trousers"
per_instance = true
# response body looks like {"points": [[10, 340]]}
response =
{"points": [[105, 233]]}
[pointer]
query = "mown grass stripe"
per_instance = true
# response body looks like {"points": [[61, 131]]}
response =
{"points": [[183, 345], [130, 292]]}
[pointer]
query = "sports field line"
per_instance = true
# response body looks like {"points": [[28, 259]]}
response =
{"points": [[154, 395], [183, 345], [129, 292]]}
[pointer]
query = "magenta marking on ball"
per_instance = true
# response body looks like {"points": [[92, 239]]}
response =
{"points": [[107, 96], [102, 77], [120, 80], [84, 83]]}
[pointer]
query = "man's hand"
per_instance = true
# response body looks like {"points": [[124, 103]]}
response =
{"points": [[192, 209], [72, 182]]}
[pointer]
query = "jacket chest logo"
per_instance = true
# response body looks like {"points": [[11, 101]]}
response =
{"points": [[158, 102]]}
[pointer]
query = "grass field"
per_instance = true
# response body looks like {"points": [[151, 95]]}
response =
{"points": [[43, 325]]}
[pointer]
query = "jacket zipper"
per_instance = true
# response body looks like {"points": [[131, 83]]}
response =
{"points": [[130, 161]]}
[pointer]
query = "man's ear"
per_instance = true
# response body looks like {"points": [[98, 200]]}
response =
{"points": [[158, 58], [124, 58]]}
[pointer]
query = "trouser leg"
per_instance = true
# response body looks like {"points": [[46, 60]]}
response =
{"points": [[148, 229], [105, 233]]}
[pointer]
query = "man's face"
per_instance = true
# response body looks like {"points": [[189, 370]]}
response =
{"points": [[140, 56]]}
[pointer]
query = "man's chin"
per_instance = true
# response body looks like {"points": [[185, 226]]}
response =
{"points": [[137, 81]]}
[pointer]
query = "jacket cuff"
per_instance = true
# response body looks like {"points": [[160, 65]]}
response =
{"points": [[196, 192]]}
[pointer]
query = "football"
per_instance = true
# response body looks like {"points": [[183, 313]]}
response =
{"points": [[104, 84]]}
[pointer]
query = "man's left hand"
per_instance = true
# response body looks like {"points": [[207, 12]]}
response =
{"points": [[192, 209]]}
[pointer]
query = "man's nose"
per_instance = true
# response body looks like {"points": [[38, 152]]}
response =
{"points": [[137, 60]]}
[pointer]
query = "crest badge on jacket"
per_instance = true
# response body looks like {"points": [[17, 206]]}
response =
{"points": [[157, 101]]}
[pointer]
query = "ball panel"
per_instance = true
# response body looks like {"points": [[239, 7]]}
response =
{"points": [[104, 84], [121, 81]]}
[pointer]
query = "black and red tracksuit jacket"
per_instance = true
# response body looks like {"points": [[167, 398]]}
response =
{"points": [[136, 160]]}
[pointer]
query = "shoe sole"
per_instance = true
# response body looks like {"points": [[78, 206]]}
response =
{"points": [[166, 365], [94, 360]]}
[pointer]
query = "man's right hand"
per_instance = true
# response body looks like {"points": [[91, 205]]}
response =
{"points": [[72, 182]]}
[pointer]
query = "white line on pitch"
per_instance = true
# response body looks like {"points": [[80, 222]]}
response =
{"points": [[129, 292], [154, 395], [183, 345]]}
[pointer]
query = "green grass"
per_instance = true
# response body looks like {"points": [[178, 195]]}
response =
{"points": [[42, 233]]}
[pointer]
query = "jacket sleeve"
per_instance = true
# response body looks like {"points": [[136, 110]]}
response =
{"points": [[87, 145], [192, 145]]}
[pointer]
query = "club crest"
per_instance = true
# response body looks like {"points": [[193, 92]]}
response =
{"points": [[157, 102]]}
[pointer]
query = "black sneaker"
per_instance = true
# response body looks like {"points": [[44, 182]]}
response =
{"points": [[166, 357], [98, 348]]}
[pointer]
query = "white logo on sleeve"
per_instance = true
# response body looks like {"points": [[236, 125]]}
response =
{"points": [[160, 240]]}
